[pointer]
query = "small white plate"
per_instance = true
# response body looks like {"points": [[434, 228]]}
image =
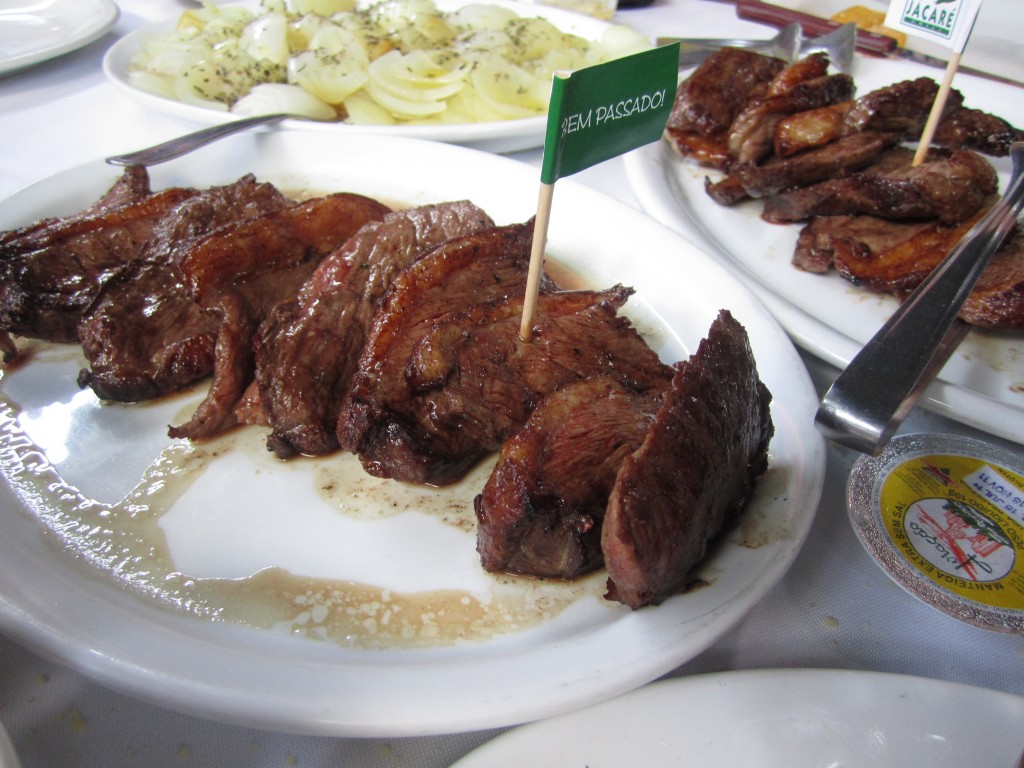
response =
{"points": [[591, 651], [497, 136], [772, 718], [982, 384], [34, 31]]}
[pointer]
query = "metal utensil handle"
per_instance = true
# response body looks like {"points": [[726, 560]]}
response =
{"points": [[692, 51], [872, 396], [754, 10], [182, 145]]}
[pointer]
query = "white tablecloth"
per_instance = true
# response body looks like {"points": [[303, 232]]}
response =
{"points": [[834, 609]]}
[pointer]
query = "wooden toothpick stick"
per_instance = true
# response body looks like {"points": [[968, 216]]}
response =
{"points": [[938, 106], [540, 237]]}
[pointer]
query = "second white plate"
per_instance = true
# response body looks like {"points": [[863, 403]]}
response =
{"points": [[770, 718], [34, 31], [983, 383]]}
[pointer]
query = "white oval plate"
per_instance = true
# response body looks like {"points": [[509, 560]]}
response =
{"points": [[771, 718], [498, 136], [982, 385], [588, 653], [34, 31]]}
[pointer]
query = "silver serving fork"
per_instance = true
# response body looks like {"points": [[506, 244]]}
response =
{"points": [[182, 145], [839, 44], [789, 45], [692, 51], [870, 399]]}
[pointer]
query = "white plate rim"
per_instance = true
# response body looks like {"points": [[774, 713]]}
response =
{"points": [[497, 136], [105, 16], [415, 692], [654, 185], [898, 701]]}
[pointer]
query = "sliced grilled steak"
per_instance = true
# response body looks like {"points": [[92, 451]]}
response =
{"points": [[949, 189], [540, 512], [896, 256], [752, 133], [828, 239], [44, 290], [902, 107], [131, 187], [705, 105], [887, 255], [997, 300], [695, 468], [243, 271], [307, 349], [470, 382], [708, 101], [836, 159], [965, 128], [491, 264], [824, 236], [144, 335]]}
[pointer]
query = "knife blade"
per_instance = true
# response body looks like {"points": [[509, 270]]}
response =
{"points": [[871, 43]]}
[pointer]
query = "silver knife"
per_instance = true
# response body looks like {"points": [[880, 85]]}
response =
{"points": [[934, 61]]}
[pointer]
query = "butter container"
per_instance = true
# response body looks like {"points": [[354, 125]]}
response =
{"points": [[944, 517]]}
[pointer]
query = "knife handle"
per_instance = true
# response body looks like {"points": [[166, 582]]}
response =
{"points": [[777, 16]]}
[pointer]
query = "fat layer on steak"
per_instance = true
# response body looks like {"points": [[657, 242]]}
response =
{"points": [[51, 272], [143, 335], [241, 272], [445, 379], [308, 347]]}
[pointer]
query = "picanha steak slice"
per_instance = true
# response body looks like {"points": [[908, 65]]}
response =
{"points": [[826, 241], [489, 264], [241, 272], [695, 468], [896, 256], [307, 349], [997, 299], [950, 189], [470, 382], [752, 133], [50, 273], [143, 335], [541, 510], [707, 102], [834, 160], [132, 186]]}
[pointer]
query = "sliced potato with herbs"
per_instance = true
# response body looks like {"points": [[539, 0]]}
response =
{"points": [[392, 61]]}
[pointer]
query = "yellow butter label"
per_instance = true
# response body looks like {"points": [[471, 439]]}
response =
{"points": [[960, 521]]}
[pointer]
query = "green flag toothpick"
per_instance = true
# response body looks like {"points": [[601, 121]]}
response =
{"points": [[599, 112], [595, 114]]}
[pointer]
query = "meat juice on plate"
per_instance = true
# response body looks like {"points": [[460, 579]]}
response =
{"points": [[222, 530]]}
